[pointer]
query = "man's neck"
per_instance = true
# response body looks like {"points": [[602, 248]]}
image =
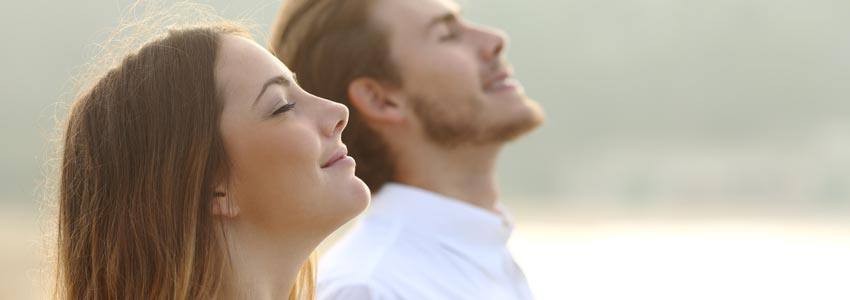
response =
{"points": [[466, 174]]}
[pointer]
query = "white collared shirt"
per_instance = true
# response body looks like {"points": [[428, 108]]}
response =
{"points": [[415, 244]]}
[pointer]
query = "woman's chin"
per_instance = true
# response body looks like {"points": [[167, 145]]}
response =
{"points": [[351, 199], [360, 195]]}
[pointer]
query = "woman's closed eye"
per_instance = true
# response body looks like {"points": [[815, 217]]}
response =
{"points": [[285, 108]]}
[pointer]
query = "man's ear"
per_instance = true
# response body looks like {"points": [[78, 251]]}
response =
{"points": [[374, 101]]}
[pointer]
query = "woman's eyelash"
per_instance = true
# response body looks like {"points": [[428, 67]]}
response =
{"points": [[285, 108]]}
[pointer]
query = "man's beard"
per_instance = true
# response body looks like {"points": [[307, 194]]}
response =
{"points": [[454, 125]]}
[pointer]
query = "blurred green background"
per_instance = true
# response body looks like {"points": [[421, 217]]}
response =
{"points": [[672, 116]]}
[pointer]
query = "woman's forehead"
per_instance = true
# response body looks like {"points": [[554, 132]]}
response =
{"points": [[243, 65]]}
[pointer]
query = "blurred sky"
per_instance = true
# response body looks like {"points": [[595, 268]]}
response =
{"points": [[651, 104]]}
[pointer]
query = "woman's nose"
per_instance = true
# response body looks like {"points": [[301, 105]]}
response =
{"points": [[337, 118]]}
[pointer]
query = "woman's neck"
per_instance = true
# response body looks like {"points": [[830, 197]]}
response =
{"points": [[263, 267]]}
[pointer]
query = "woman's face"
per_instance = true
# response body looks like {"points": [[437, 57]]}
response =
{"points": [[290, 171]]}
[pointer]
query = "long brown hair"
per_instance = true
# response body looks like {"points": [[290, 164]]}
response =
{"points": [[142, 152], [329, 43]]}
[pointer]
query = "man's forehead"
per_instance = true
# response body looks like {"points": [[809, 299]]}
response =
{"points": [[415, 13]]}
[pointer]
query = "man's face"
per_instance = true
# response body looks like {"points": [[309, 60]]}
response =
{"points": [[454, 75]]}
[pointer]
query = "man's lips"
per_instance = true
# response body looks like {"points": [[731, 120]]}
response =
{"points": [[500, 80], [338, 155]]}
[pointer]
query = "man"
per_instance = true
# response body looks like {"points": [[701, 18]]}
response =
{"points": [[432, 102]]}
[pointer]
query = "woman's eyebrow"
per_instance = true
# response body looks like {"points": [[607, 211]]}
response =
{"points": [[283, 81]]}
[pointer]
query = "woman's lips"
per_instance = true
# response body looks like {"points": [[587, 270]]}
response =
{"points": [[339, 155], [345, 160]]}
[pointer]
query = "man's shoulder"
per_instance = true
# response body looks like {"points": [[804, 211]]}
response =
{"points": [[375, 253], [354, 268], [360, 288], [362, 250]]}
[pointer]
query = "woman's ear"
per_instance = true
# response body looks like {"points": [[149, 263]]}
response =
{"points": [[222, 205], [374, 101]]}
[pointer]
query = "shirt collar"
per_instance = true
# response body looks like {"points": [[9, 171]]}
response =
{"points": [[444, 218]]}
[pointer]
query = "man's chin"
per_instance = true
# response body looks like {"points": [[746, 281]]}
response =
{"points": [[518, 125], [505, 97], [515, 115]]}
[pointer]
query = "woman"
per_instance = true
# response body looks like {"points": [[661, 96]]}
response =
{"points": [[196, 169]]}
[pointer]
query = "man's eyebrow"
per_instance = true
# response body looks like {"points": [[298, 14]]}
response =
{"points": [[274, 80], [448, 17]]}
